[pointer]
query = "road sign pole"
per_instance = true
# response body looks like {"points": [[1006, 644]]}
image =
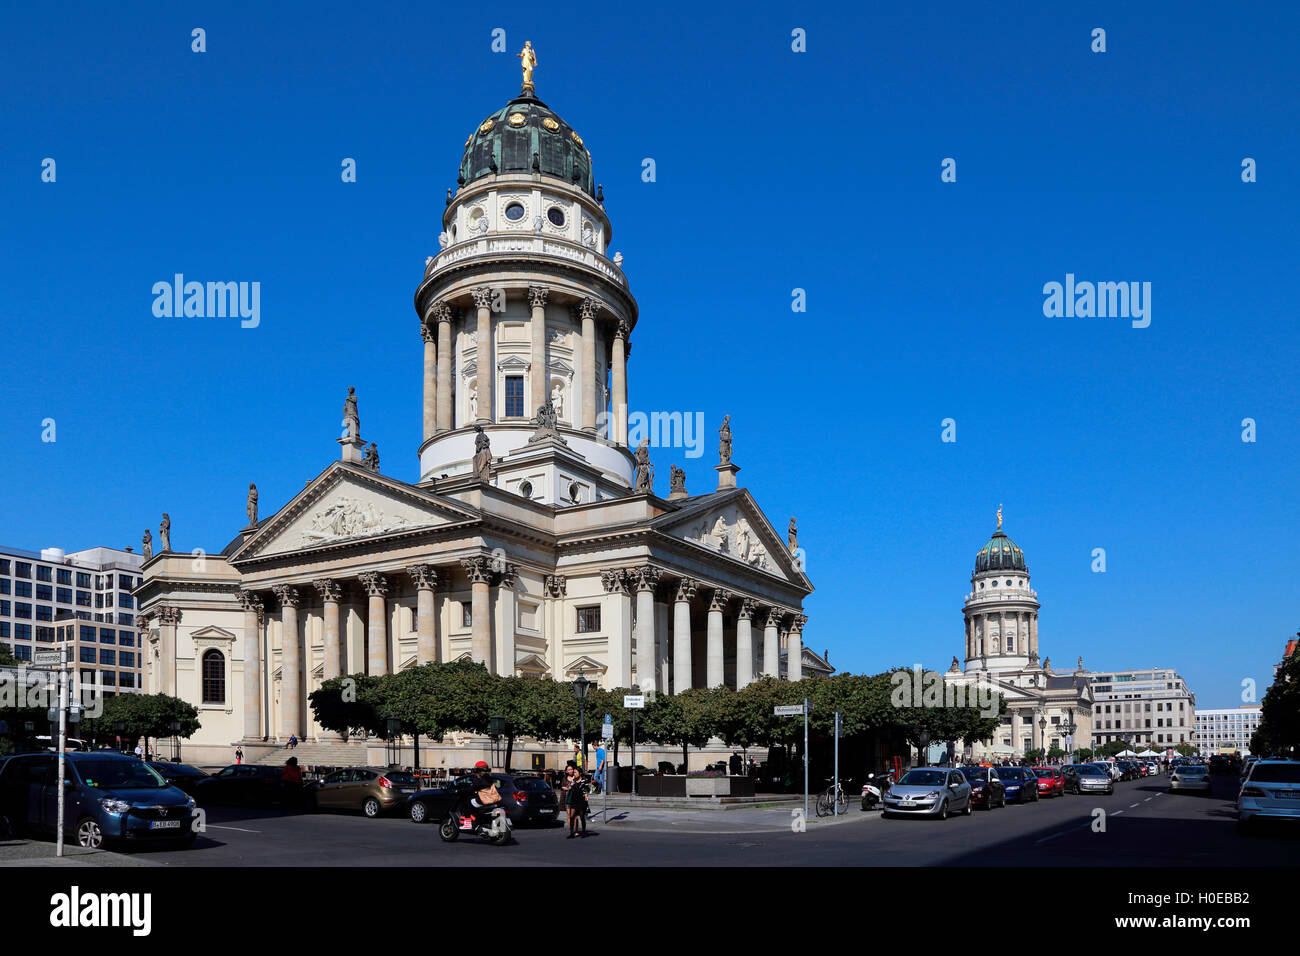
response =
{"points": [[805, 758], [63, 742], [634, 752], [835, 784]]}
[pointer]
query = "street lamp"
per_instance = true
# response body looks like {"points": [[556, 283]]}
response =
{"points": [[1042, 733], [497, 730], [923, 738], [1069, 728], [176, 740], [580, 688]]}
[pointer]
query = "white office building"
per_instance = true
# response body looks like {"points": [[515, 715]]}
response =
{"points": [[1146, 708], [1226, 730]]}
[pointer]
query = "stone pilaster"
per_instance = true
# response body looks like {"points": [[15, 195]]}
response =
{"points": [[618, 377], [169, 618], [794, 648], [376, 587], [537, 296], [483, 354], [616, 618], [430, 379], [587, 310], [506, 584], [442, 316], [772, 643]]}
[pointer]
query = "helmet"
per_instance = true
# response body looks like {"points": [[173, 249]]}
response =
{"points": [[482, 765]]}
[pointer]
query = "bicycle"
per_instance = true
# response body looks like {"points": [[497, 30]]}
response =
{"points": [[828, 798]]}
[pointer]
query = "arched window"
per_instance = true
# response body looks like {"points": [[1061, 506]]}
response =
{"points": [[214, 677]]}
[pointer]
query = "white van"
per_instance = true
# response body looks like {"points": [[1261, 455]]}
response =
{"points": [[73, 744]]}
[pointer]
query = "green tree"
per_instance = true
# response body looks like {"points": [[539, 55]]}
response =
{"points": [[1055, 753], [1279, 719], [1083, 754], [147, 716], [1034, 755]]}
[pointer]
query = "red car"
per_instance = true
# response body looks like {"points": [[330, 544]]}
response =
{"points": [[1051, 782]]}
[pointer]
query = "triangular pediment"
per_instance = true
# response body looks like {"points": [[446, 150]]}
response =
{"points": [[585, 665], [212, 633], [345, 504], [733, 526]]}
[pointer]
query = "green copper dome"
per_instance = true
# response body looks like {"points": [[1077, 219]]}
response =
{"points": [[525, 136], [1000, 554]]}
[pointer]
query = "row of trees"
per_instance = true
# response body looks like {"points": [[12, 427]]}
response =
{"points": [[1279, 713], [434, 700]]}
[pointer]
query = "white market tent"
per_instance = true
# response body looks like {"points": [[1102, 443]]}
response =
{"points": [[1126, 753], [1148, 753]]}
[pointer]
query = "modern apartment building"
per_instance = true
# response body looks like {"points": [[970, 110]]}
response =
{"points": [[1147, 708], [83, 598], [1226, 730]]}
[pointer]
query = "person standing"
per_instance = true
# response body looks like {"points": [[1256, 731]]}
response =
{"points": [[600, 767], [577, 757], [291, 783], [239, 755]]}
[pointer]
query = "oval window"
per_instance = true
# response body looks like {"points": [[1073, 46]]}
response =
{"points": [[556, 215], [526, 489], [515, 211]]}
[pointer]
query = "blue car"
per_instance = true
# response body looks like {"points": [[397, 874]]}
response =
{"points": [[107, 798], [1021, 783]]}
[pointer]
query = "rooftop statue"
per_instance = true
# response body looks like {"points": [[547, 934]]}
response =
{"points": [[528, 60]]}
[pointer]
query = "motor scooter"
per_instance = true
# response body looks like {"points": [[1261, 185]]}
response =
{"points": [[495, 826], [873, 790]]}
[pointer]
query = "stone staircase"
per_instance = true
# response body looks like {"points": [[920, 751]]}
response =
{"points": [[335, 754]]}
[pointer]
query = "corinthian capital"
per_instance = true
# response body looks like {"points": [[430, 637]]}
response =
{"points": [[686, 588], [376, 584], [427, 334], [509, 577], [588, 308], [328, 589], [775, 617], [556, 586], [287, 595], [482, 297], [442, 312], [747, 606], [614, 581], [537, 296], [424, 576], [644, 578], [251, 601], [719, 599], [478, 569], [622, 330], [798, 622]]}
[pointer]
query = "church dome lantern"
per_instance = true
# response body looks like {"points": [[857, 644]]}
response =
{"points": [[526, 136]]}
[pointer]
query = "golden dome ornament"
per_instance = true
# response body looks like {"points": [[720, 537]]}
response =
{"points": [[487, 125], [576, 138], [551, 124], [517, 119]]}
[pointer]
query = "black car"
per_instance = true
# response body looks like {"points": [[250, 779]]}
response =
{"points": [[526, 799], [1021, 784], [179, 775], [986, 788], [432, 804], [247, 785]]}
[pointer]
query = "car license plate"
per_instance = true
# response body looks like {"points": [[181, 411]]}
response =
{"points": [[907, 803], [548, 810], [406, 790], [164, 824]]}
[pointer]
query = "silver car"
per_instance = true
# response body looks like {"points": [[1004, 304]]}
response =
{"points": [[928, 792], [1270, 790], [1192, 776]]}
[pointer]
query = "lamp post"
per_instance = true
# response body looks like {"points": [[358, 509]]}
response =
{"points": [[581, 686], [923, 739], [1042, 733], [176, 740], [1069, 728], [497, 729]]}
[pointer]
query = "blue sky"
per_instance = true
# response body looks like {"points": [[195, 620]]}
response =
{"points": [[775, 171]]}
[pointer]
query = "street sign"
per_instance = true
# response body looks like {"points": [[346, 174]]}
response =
{"points": [[789, 710], [636, 701], [607, 731], [609, 718], [47, 658]]}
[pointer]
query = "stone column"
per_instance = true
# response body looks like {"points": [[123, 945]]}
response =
{"points": [[682, 634], [483, 354], [1033, 633], [430, 380], [556, 587], [772, 644], [376, 586], [592, 387], [479, 570], [715, 666], [330, 591], [794, 648], [442, 316], [290, 662], [744, 645], [1015, 731], [645, 580], [616, 617], [505, 651], [425, 578], [618, 376], [168, 618], [253, 617], [537, 299]]}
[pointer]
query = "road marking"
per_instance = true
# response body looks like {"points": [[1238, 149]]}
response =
{"points": [[213, 826], [1147, 800], [1132, 805], [1117, 813]]}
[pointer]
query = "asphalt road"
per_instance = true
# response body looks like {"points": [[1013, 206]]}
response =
{"points": [[1144, 826]]}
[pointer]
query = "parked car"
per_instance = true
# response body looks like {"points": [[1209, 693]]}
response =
{"points": [[371, 790], [107, 798], [179, 775], [1087, 778], [1021, 784], [1051, 782], [1270, 791], [928, 791], [986, 787], [245, 785], [431, 805], [1190, 777], [1109, 768], [1128, 770]]}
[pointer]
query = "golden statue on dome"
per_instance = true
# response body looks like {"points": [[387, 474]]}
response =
{"points": [[999, 517], [528, 60]]}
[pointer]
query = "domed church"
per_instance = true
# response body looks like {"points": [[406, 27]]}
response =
{"points": [[535, 540], [1001, 649]]}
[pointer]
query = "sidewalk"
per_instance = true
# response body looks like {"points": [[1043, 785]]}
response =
{"points": [[739, 820], [41, 853]]}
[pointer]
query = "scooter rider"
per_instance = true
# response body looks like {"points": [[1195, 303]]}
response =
{"points": [[470, 802]]}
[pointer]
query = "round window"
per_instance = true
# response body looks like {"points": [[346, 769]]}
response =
{"points": [[526, 489], [515, 211], [556, 215], [575, 492]]}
